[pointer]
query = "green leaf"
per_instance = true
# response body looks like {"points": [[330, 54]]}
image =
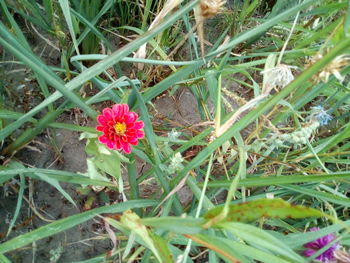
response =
{"points": [[92, 28], [261, 239], [92, 171], [222, 247], [187, 225], [69, 222], [67, 15], [281, 180], [13, 115], [107, 161], [63, 176], [320, 195], [253, 210], [4, 259], [108, 4], [56, 184], [229, 249], [19, 203], [132, 221], [6, 177], [162, 247]]}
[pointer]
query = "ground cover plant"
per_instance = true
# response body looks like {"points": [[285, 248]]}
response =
{"points": [[174, 131]]}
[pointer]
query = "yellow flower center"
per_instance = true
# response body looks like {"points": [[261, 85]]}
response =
{"points": [[120, 128]]}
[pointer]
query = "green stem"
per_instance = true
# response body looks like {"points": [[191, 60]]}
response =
{"points": [[132, 175]]}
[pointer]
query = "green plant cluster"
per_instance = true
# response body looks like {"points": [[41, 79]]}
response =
{"points": [[258, 180]]}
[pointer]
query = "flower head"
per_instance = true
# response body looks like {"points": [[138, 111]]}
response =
{"points": [[314, 246], [174, 135], [210, 8], [279, 76], [120, 128], [176, 163], [321, 115], [333, 68]]}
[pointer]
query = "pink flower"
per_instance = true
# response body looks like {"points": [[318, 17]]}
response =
{"points": [[119, 127], [312, 247]]}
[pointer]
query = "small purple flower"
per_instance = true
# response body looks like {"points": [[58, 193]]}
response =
{"points": [[312, 247]]}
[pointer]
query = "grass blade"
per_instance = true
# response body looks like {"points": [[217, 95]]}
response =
{"points": [[19, 203], [68, 222]]}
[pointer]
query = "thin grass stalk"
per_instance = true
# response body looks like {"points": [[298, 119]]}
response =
{"points": [[282, 180], [67, 15], [134, 60], [265, 106], [234, 183], [25, 44], [192, 184], [261, 28], [19, 203], [92, 28], [151, 139], [145, 15], [132, 175], [30, 133], [103, 10], [199, 207], [33, 62], [97, 69]]}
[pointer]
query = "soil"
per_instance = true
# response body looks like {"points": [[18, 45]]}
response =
{"points": [[52, 205]]}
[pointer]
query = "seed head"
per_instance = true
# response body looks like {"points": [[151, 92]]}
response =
{"points": [[174, 135], [175, 163], [279, 76], [206, 9], [210, 8], [321, 115], [332, 68]]}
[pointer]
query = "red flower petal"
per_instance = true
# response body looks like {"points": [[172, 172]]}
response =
{"points": [[131, 117], [117, 110], [118, 145], [138, 125], [126, 147], [101, 119], [103, 139], [133, 141], [108, 114], [140, 134], [125, 109], [110, 144], [100, 128]]}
